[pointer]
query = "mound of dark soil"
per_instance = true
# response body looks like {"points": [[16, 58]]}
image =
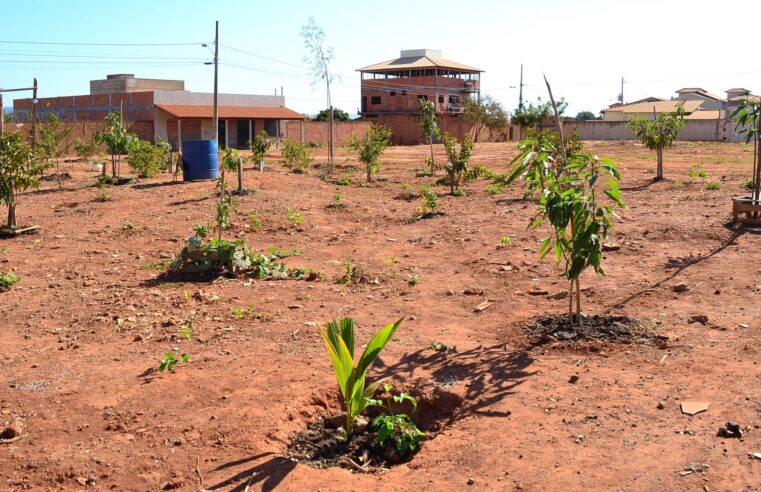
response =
{"points": [[56, 177], [322, 445], [596, 328]]}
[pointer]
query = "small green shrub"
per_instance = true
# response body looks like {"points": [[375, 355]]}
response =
{"points": [[170, 360], [8, 280], [146, 159], [494, 189], [506, 241], [697, 172], [297, 157], [713, 185], [84, 148], [254, 222], [407, 191], [429, 203], [413, 280], [344, 181], [397, 427], [103, 195], [293, 216], [748, 184]]}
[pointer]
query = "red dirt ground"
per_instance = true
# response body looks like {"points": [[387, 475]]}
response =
{"points": [[81, 332]]}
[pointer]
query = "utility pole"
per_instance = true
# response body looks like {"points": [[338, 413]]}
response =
{"points": [[520, 90], [216, 85], [622, 90], [34, 114]]}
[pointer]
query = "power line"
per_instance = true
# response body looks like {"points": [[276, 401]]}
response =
{"points": [[96, 44], [274, 60]]}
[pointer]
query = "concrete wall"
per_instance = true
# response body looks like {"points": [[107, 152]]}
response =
{"points": [[693, 130], [109, 86]]}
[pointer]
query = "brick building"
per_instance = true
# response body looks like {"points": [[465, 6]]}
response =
{"points": [[163, 108], [391, 90]]}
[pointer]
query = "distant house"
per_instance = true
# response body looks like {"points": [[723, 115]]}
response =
{"points": [[698, 104], [390, 92], [163, 108]]}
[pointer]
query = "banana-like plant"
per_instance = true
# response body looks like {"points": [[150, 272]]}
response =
{"points": [[339, 340]]}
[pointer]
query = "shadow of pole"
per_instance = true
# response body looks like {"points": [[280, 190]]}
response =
{"points": [[679, 267]]}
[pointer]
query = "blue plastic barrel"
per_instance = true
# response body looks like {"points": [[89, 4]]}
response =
{"points": [[200, 160]]}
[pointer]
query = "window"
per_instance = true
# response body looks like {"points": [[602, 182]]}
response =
{"points": [[375, 100], [404, 93], [392, 93], [454, 99], [441, 99], [422, 98]]}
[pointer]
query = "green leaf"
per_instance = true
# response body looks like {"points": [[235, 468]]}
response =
{"points": [[376, 344]]}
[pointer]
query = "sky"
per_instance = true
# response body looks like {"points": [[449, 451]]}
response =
{"points": [[584, 47]]}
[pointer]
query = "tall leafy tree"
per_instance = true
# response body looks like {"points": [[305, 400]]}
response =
{"points": [[534, 115], [659, 133], [585, 115], [319, 59], [21, 167], [338, 115], [485, 112], [430, 128]]}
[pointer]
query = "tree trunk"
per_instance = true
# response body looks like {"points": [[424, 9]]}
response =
{"points": [[578, 301], [659, 172], [570, 299], [433, 165], [369, 173], [12, 208], [113, 165], [757, 177], [240, 175]]}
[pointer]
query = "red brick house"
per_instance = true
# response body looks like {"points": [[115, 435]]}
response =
{"points": [[391, 90]]}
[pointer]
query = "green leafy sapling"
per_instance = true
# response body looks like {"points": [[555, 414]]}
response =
{"points": [[659, 133], [429, 127], [259, 147], [569, 200], [339, 338], [169, 361], [457, 164], [370, 147]]}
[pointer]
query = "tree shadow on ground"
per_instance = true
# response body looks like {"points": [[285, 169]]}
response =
{"points": [[268, 473], [487, 374], [678, 265], [148, 186], [640, 187]]}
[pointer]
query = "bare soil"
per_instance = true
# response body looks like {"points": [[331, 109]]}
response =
{"points": [[81, 336]]}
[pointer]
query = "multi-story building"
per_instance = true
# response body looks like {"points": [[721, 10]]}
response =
{"points": [[391, 91]]}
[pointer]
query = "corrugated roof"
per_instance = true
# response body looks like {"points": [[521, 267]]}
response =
{"points": [[418, 62], [248, 112], [660, 107]]}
